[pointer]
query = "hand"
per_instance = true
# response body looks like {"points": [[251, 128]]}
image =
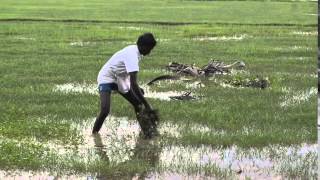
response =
{"points": [[148, 107], [153, 116], [142, 91]]}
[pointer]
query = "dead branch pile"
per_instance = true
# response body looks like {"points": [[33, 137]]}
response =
{"points": [[213, 67]]}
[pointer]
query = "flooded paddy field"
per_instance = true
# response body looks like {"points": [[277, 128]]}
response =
{"points": [[120, 142], [49, 97]]}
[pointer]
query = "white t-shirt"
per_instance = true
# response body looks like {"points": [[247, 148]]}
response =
{"points": [[117, 68]]}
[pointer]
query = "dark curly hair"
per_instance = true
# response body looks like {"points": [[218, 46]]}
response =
{"points": [[146, 39]]}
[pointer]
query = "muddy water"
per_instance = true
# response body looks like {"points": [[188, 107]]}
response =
{"points": [[119, 141], [305, 33], [318, 114], [130, 28], [41, 175], [116, 141], [92, 89], [292, 98], [32, 175], [293, 48], [82, 43], [165, 96], [76, 88], [174, 176], [268, 162], [222, 38], [160, 95], [318, 146]]}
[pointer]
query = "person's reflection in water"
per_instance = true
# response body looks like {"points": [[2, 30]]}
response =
{"points": [[148, 151], [100, 147], [145, 150]]}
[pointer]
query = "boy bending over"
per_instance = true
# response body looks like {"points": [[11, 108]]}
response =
{"points": [[120, 74]]}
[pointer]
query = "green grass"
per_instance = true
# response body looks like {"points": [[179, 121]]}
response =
{"points": [[248, 12], [37, 55]]}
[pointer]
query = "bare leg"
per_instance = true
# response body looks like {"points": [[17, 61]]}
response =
{"points": [[105, 98]]}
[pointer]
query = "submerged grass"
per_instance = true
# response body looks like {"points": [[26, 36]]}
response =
{"points": [[41, 130], [35, 157]]}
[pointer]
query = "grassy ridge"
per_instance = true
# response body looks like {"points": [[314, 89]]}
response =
{"points": [[165, 11]]}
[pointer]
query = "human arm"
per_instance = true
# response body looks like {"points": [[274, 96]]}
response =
{"points": [[137, 91]]}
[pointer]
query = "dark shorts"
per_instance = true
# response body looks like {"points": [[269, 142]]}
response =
{"points": [[108, 87]]}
